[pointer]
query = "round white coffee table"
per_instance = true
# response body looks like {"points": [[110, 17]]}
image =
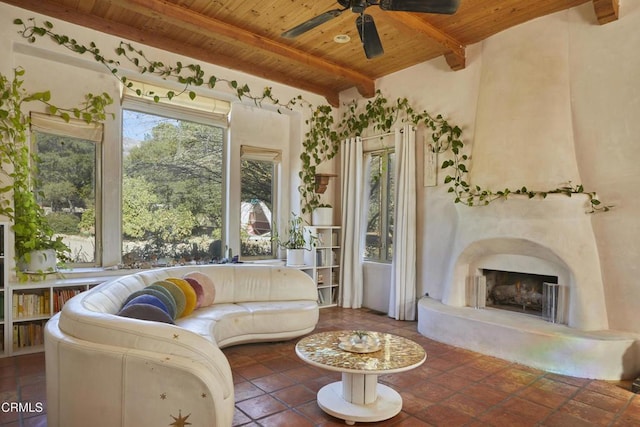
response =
{"points": [[359, 397]]}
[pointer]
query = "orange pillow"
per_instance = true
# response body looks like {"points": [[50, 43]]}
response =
{"points": [[189, 294]]}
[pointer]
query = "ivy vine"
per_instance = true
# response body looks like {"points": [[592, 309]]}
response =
{"points": [[380, 115], [188, 75], [323, 138]]}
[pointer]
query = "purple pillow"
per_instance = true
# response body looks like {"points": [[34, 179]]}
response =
{"points": [[148, 299], [199, 291], [145, 312]]}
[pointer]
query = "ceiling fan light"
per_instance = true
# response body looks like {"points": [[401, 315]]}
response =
{"points": [[342, 38]]}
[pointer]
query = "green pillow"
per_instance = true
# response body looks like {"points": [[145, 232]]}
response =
{"points": [[176, 293]]}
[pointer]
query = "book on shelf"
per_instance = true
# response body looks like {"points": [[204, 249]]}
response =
{"points": [[28, 335], [61, 296], [30, 304]]}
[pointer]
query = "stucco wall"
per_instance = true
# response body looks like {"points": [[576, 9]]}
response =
{"points": [[588, 70]]}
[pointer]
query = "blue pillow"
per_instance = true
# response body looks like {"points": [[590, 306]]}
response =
{"points": [[145, 312]]}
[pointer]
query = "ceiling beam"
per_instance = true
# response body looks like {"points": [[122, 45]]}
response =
{"points": [[212, 27], [152, 39], [606, 10], [454, 49]]}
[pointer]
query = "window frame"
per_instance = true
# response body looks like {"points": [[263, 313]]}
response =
{"points": [[91, 132], [248, 152], [176, 111]]}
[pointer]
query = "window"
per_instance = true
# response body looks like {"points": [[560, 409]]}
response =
{"points": [[379, 239], [67, 183], [172, 191], [258, 172]]}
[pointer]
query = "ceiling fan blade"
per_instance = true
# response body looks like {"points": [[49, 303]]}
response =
{"points": [[312, 23], [369, 36], [447, 7]]}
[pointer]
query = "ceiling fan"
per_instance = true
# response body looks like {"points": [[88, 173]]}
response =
{"points": [[364, 22]]}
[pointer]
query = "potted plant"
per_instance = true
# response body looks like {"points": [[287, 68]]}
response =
{"points": [[18, 165], [322, 213], [37, 248], [296, 242]]}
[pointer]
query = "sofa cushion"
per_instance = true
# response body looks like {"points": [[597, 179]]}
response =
{"points": [[268, 317], [228, 324]]}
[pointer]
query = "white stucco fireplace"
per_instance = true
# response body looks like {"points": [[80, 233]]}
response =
{"points": [[522, 134], [550, 237]]}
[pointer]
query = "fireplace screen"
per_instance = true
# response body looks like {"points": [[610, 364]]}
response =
{"points": [[520, 292]]}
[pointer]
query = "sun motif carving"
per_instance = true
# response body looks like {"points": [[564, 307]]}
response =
{"points": [[180, 421]]}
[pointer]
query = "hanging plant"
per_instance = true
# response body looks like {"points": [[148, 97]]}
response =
{"points": [[322, 141]]}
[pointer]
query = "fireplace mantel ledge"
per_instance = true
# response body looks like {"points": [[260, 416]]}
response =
{"points": [[531, 341]]}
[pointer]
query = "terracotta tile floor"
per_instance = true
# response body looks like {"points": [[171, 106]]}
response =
{"points": [[454, 387]]}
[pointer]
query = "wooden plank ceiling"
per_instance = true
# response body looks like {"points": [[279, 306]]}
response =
{"points": [[246, 35]]}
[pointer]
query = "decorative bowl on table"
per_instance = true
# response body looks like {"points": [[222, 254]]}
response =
{"points": [[359, 342]]}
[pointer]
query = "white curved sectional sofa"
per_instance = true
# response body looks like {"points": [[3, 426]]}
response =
{"points": [[106, 370]]}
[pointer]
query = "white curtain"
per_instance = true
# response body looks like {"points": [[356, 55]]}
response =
{"points": [[353, 223], [402, 298]]}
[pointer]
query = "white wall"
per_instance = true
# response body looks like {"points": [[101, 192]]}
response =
{"points": [[600, 70]]}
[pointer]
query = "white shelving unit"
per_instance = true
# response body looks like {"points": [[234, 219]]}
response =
{"points": [[4, 279], [29, 305], [323, 263]]}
